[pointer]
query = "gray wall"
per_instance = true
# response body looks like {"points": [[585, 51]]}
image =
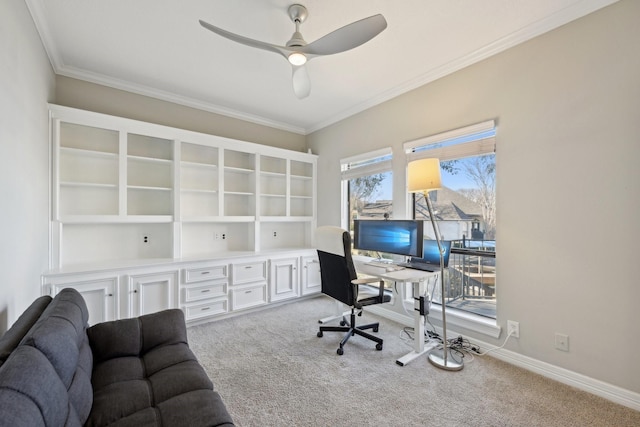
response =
{"points": [[93, 97], [566, 105], [26, 84]]}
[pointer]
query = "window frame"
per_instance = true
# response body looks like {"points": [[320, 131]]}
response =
{"points": [[466, 142], [369, 163]]}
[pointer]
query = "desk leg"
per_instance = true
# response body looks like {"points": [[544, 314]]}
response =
{"points": [[418, 328]]}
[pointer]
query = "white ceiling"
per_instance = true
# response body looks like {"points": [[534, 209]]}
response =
{"points": [[157, 48]]}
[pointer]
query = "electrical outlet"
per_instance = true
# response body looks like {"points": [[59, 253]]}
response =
{"points": [[513, 328], [146, 239], [562, 342], [275, 234]]}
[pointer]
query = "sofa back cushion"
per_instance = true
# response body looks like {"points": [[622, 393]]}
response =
{"points": [[60, 335], [16, 333]]}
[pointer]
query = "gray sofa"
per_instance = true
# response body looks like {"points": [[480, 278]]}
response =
{"points": [[57, 371]]}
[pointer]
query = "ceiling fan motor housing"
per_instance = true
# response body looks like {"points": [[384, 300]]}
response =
{"points": [[298, 13]]}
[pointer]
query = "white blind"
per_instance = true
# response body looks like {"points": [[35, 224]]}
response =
{"points": [[370, 163], [468, 141]]}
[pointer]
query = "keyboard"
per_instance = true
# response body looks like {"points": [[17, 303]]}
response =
{"points": [[381, 264], [388, 266]]}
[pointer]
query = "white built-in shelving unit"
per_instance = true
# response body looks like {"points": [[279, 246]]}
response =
{"points": [[128, 190], [145, 217]]}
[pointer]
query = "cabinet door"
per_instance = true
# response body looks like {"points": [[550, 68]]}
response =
{"points": [[311, 281], [284, 278], [100, 295], [149, 293]]}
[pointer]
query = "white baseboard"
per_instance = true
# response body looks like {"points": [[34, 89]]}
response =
{"points": [[582, 382]]}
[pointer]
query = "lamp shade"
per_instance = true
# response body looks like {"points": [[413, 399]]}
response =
{"points": [[424, 175]]}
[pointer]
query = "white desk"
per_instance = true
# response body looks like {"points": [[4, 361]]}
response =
{"points": [[417, 279]]}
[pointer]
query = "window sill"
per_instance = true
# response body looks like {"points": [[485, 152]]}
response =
{"points": [[465, 320], [458, 321]]}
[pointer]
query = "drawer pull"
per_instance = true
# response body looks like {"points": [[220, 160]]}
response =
{"points": [[204, 291], [248, 266], [205, 308], [109, 295], [247, 292], [205, 272]]}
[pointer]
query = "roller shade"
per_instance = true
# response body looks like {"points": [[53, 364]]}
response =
{"points": [[370, 163], [464, 142]]}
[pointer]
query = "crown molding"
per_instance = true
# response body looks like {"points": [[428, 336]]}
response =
{"points": [[529, 32]]}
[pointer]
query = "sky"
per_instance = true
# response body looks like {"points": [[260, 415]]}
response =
{"points": [[455, 182]]}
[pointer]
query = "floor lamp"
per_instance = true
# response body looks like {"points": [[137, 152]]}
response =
{"points": [[424, 176]]}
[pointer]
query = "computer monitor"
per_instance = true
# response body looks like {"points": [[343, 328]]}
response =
{"points": [[400, 237], [431, 253]]}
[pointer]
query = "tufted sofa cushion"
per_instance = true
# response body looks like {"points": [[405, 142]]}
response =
{"points": [[145, 374]]}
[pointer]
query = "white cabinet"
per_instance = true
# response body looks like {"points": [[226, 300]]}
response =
{"points": [[249, 284], [204, 291], [100, 293], [283, 280], [310, 277], [151, 292], [145, 191]]}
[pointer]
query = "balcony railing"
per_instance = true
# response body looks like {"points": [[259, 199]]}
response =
{"points": [[471, 277]]}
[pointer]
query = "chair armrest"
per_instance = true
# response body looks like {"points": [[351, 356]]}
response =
{"points": [[366, 280]]}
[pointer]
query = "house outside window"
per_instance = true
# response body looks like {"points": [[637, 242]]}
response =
{"points": [[465, 211], [367, 187]]}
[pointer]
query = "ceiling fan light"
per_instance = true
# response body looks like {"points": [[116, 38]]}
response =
{"points": [[297, 58]]}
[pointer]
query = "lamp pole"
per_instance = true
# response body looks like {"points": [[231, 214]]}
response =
{"points": [[441, 360]]}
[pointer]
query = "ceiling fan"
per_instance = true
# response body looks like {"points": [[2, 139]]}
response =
{"points": [[298, 52]]}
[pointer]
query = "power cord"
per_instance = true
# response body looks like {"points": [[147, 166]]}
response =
{"points": [[459, 347], [477, 349]]}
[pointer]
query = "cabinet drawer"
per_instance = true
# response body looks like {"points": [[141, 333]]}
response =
{"points": [[206, 273], [249, 272], [248, 296], [204, 290], [206, 309]]}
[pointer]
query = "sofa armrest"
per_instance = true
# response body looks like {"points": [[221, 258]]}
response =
{"points": [[16, 333], [133, 337]]}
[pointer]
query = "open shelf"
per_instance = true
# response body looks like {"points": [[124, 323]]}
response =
{"points": [[115, 178]]}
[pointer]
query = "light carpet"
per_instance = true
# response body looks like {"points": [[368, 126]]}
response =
{"points": [[272, 370]]}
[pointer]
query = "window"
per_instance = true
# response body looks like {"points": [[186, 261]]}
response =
{"points": [[465, 211], [367, 186]]}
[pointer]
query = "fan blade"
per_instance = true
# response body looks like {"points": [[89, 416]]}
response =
{"points": [[301, 82], [282, 50], [347, 37]]}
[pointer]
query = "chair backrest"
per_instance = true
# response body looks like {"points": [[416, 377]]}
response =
{"points": [[336, 265]]}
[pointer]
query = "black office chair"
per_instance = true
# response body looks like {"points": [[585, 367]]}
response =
{"points": [[339, 281]]}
